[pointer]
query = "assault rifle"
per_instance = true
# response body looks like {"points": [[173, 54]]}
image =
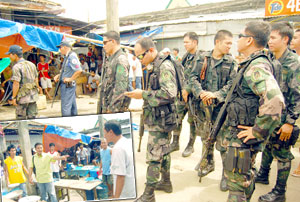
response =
{"points": [[141, 131], [192, 110], [221, 116], [99, 103]]}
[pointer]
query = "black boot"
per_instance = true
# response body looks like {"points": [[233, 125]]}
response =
{"points": [[276, 195], [147, 196], [262, 176], [175, 144], [165, 183], [190, 147], [208, 169], [223, 183]]}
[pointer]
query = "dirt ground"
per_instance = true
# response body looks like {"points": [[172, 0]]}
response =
{"points": [[186, 186], [86, 104]]}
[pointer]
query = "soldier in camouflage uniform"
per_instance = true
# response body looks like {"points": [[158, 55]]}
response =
{"points": [[159, 115], [115, 76], [278, 145], [210, 79], [25, 84], [190, 41], [253, 111]]}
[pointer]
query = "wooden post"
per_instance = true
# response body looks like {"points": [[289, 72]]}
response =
{"points": [[25, 143], [100, 122], [112, 15]]}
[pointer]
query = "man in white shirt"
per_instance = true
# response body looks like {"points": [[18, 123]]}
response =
{"points": [[93, 82], [84, 65], [54, 165], [137, 71], [122, 167]]}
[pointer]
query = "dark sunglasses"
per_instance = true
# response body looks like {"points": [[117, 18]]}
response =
{"points": [[140, 57], [105, 42], [243, 35]]}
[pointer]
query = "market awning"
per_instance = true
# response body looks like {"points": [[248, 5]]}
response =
{"points": [[134, 38], [62, 138], [26, 36]]}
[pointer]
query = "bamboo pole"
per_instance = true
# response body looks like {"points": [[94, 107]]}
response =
{"points": [[93, 40]]}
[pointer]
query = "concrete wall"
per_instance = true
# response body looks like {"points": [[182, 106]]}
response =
{"points": [[14, 139], [205, 30]]}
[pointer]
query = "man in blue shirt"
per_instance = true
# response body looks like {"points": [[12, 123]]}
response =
{"points": [[105, 165], [71, 69]]}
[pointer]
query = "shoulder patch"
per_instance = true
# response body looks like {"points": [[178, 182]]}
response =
{"points": [[298, 77], [256, 75]]}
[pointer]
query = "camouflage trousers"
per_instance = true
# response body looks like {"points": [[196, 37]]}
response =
{"points": [[204, 133], [283, 155], [182, 109], [158, 156], [26, 111], [241, 185]]}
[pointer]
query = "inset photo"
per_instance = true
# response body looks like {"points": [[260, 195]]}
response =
{"points": [[80, 158]]}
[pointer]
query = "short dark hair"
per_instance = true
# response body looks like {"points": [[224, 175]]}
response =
{"points": [[284, 29], [220, 35], [297, 30], [260, 31], [114, 126], [43, 55], [113, 35], [146, 43], [191, 35], [37, 144], [176, 49], [51, 144], [11, 147]]}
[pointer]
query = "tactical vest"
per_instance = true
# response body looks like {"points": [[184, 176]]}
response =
{"points": [[223, 77], [107, 87], [243, 106], [163, 116], [25, 88], [223, 73]]}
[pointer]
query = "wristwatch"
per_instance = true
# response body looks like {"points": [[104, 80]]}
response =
{"points": [[13, 98]]}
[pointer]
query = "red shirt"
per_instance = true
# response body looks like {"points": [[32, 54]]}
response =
{"points": [[43, 67]]}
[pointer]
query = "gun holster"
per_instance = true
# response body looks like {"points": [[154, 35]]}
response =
{"points": [[70, 84], [238, 160]]}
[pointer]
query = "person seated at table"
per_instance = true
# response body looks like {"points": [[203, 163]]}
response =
{"points": [[82, 155], [93, 82], [105, 163], [97, 157]]}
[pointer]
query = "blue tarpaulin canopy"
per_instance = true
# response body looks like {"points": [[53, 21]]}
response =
{"points": [[26, 36], [134, 38]]}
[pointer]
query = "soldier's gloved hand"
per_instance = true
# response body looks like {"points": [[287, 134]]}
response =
{"points": [[247, 133], [285, 131], [185, 95]]}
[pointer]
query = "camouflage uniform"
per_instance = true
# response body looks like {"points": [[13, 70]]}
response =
{"points": [[218, 79], [159, 118], [257, 102], [114, 83], [290, 87], [26, 74], [181, 106]]}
